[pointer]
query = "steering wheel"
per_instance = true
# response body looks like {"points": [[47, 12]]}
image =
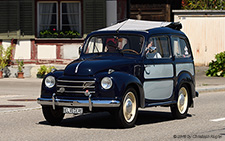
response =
{"points": [[130, 50]]}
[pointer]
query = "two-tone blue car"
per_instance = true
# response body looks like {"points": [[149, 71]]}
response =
{"points": [[130, 65]]}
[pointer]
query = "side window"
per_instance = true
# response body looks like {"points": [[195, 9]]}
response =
{"points": [[180, 48], [157, 47]]}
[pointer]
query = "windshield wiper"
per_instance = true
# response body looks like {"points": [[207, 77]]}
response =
{"points": [[97, 49]]}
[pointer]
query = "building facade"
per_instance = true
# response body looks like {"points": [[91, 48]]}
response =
{"points": [[51, 31]]}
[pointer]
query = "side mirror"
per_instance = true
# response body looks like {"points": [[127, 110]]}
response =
{"points": [[80, 50]]}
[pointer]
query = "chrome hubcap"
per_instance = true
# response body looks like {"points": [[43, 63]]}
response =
{"points": [[129, 107], [181, 99], [182, 103]]}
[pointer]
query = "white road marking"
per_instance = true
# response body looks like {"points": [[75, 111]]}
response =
{"points": [[219, 119], [9, 96]]}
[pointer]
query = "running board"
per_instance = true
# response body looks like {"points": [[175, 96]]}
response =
{"points": [[161, 104]]}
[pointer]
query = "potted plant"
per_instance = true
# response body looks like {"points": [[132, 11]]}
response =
{"points": [[20, 68], [50, 69], [43, 70], [5, 57]]}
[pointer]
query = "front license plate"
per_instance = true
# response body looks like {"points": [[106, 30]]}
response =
{"points": [[68, 110]]}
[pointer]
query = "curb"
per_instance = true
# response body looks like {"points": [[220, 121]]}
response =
{"points": [[21, 80], [211, 89]]}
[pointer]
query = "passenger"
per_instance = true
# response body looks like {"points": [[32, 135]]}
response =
{"points": [[151, 51]]}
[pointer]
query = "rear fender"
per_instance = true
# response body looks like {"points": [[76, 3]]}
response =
{"points": [[187, 79]]}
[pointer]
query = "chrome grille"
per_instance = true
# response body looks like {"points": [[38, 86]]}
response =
{"points": [[74, 88]]}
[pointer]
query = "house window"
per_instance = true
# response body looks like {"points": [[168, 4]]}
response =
{"points": [[48, 16], [70, 16], [59, 17]]}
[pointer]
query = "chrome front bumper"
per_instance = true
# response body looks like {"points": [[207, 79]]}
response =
{"points": [[54, 101]]}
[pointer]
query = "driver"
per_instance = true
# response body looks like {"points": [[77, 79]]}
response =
{"points": [[111, 46]]}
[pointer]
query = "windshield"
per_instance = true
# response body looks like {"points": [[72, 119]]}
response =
{"points": [[131, 44]]}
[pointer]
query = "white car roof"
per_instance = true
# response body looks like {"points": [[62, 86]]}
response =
{"points": [[139, 25]]}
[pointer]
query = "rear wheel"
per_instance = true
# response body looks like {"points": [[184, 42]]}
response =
{"points": [[54, 117], [180, 109], [127, 113]]}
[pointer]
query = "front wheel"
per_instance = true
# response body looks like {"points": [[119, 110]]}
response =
{"points": [[127, 113], [54, 117], [180, 109]]}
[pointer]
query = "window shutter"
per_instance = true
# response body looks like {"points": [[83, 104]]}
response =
{"points": [[27, 18], [94, 15], [9, 23], [17, 19]]}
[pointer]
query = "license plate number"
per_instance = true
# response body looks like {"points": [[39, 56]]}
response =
{"points": [[68, 110]]}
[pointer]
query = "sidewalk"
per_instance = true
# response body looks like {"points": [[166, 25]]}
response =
{"points": [[207, 84]]}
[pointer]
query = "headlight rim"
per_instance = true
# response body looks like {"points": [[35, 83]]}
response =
{"points": [[52, 80], [106, 87]]}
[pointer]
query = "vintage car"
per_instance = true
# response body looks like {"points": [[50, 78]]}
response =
{"points": [[130, 65]]}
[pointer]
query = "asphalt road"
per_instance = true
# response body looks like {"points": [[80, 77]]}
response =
{"points": [[205, 122]]}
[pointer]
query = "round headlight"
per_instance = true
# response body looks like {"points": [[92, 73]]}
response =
{"points": [[106, 83], [50, 81]]}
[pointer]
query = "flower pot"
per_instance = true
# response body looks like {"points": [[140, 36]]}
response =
{"points": [[20, 75], [1, 74], [40, 75]]}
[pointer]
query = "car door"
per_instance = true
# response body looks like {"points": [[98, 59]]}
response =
{"points": [[183, 55], [159, 69]]}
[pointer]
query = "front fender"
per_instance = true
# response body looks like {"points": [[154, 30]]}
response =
{"points": [[45, 91], [121, 81]]}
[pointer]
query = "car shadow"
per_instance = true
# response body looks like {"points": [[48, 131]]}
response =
{"points": [[104, 120]]}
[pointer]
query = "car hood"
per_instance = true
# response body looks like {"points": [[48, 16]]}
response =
{"points": [[91, 66]]}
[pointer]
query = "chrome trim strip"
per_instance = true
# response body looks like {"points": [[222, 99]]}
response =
{"points": [[64, 86], [161, 104], [53, 101], [90, 103], [75, 81], [78, 103], [76, 92], [76, 70]]}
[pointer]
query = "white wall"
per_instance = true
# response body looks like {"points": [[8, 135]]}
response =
{"points": [[70, 51], [111, 12], [46, 52], [23, 49], [6, 43]]}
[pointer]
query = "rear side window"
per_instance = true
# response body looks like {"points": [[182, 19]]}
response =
{"points": [[180, 47]]}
